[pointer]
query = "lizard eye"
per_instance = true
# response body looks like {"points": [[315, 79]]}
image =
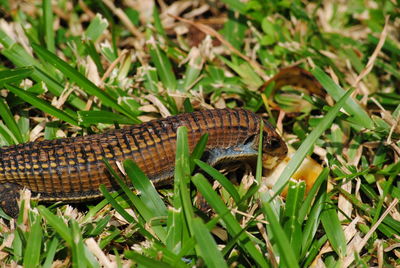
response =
{"points": [[274, 144]]}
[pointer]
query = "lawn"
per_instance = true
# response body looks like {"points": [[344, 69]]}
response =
{"points": [[324, 73]]}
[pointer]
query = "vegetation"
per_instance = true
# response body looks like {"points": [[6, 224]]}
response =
{"points": [[79, 67]]}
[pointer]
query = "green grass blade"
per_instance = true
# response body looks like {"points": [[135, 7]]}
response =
{"points": [[182, 174], [157, 22], [78, 248], [236, 5], [382, 198], [115, 204], [33, 245], [87, 118], [142, 208], [50, 253], [164, 66], [145, 261], [333, 229], [232, 225], [294, 198], [307, 144], [221, 179], [48, 26], [198, 150], [100, 226], [93, 210], [6, 136], [42, 105], [314, 250], [280, 237], [179, 217], [193, 69], [79, 79], [96, 28], [149, 194], [17, 55], [57, 223], [9, 120], [306, 205], [312, 223], [146, 212], [337, 93], [14, 75], [292, 226], [126, 215], [206, 245]]}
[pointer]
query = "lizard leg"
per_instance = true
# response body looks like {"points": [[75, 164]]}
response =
{"points": [[9, 194]]}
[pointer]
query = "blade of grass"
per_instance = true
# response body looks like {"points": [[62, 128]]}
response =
{"points": [[206, 245], [142, 208], [314, 250], [149, 194], [164, 66], [100, 226], [146, 212], [105, 241], [307, 144], [79, 79], [145, 261], [281, 239], [14, 75], [48, 26], [142, 230], [198, 151], [178, 219], [17, 55], [9, 120], [116, 205], [78, 248], [337, 93], [232, 225], [312, 223], [33, 245], [333, 229], [96, 28], [57, 223], [7, 137], [306, 205], [193, 69], [157, 23], [389, 226], [94, 210], [236, 5], [182, 174], [386, 189], [42, 105], [221, 179], [88, 118], [50, 253], [292, 226]]}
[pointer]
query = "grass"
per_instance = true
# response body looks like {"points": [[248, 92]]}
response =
{"points": [[70, 69]]}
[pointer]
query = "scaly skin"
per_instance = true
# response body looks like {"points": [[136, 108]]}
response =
{"points": [[72, 169]]}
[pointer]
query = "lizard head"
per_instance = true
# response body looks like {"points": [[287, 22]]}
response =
{"points": [[274, 148]]}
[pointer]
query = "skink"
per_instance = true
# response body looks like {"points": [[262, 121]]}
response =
{"points": [[72, 169]]}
